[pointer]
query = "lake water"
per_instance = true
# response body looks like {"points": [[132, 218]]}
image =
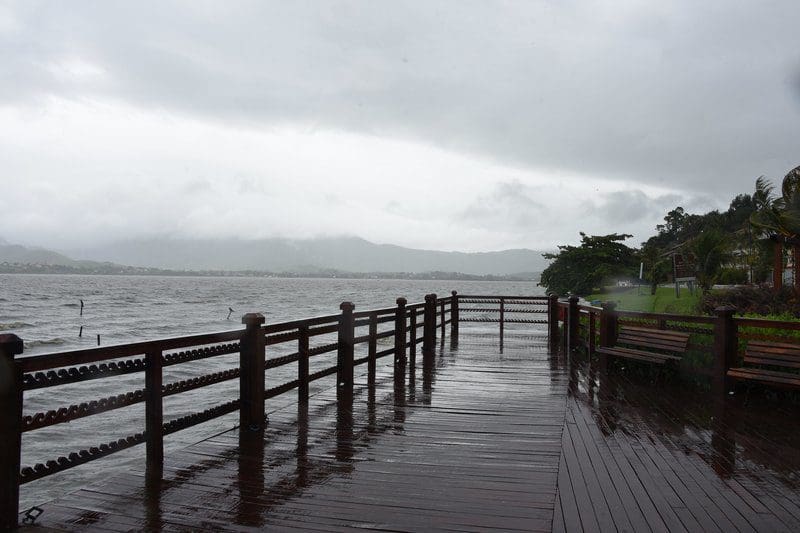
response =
{"points": [[44, 310]]}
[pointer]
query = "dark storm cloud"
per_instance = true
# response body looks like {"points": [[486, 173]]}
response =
{"points": [[680, 94]]}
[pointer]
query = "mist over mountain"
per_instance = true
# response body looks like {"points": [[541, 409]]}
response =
{"points": [[279, 255]]}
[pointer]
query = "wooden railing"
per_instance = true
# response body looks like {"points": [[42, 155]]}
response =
{"points": [[411, 324], [503, 310]]}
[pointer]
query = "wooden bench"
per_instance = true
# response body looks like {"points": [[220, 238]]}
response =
{"points": [[649, 345], [780, 356]]}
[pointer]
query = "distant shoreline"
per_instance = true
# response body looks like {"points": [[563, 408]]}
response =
{"points": [[117, 270]]}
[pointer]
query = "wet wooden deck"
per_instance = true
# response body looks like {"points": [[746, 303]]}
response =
{"points": [[518, 440]]}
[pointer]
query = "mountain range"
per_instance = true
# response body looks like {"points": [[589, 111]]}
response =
{"points": [[350, 254]]}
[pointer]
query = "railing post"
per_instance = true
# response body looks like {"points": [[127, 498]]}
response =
{"points": [[429, 326], [302, 363], [442, 318], [412, 341], [592, 331], [725, 346], [400, 334], [372, 349], [573, 318], [251, 379], [344, 378], [10, 429], [154, 414], [608, 325], [454, 316], [502, 316], [552, 318]]}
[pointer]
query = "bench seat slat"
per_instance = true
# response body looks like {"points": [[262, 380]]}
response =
{"points": [[633, 342], [637, 354], [655, 355], [771, 361], [658, 333], [773, 355], [769, 346], [757, 374], [650, 343]]}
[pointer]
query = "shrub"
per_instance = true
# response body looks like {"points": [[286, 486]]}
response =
{"points": [[757, 300], [732, 276]]}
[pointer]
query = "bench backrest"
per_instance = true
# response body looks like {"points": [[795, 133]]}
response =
{"points": [[772, 354], [670, 341]]}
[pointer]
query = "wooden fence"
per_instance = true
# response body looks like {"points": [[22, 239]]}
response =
{"points": [[411, 325]]}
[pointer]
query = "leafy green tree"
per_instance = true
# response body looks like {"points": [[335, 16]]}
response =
{"points": [[711, 249], [582, 269]]}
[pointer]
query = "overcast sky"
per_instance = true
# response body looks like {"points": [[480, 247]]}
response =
{"points": [[446, 125]]}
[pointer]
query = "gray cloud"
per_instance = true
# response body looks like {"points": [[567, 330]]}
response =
{"points": [[510, 205], [630, 206], [679, 95], [471, 122]]}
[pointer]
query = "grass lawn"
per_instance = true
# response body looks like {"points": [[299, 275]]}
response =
{"points": [[663, 301]]}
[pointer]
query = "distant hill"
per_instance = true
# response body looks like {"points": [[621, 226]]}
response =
{"points": [[14, 253], [349, 254]]}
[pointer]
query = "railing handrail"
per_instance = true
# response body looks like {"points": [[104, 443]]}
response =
{"points": [[507, 297], [82, 356]]}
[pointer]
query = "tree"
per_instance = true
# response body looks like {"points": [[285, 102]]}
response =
{"points": [[779, 217], [582, 269], [656, 265]]}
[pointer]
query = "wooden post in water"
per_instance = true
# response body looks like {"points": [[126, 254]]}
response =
{"points": [[725, 347], [400, 335], [344, 378], [573, 321], [10, 429], [454, 317], [552, 318], [429, 327], [154, 414], [372, 349], [302, 363], [251, 379]]}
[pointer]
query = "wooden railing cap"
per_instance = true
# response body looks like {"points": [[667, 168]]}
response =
{"points": [[402, 302], [10, 344], [725, 310], [253, 319], [347, 306]]}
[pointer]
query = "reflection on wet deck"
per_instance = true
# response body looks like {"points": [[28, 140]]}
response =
{"points": [[512, 439], [644, 456]]}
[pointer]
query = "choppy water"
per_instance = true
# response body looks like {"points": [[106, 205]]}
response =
{"points": [[45, 311]]}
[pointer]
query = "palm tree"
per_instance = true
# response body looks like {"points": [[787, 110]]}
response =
{"points": [[779, 217]]}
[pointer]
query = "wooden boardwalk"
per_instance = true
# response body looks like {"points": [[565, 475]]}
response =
{"points": [[518, 440], [472, 444]]}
